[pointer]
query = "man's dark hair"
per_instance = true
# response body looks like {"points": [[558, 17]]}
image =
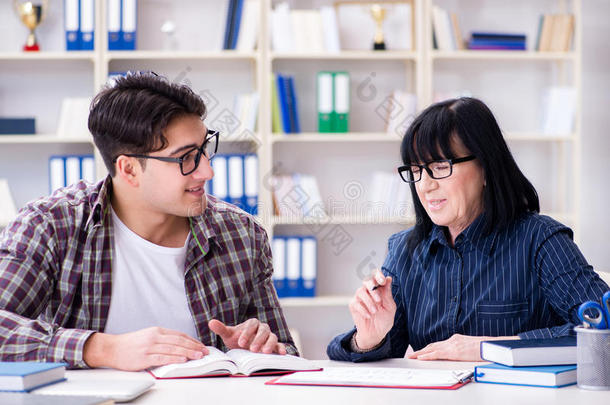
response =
{"points": [[507, 194], [131, 115]]}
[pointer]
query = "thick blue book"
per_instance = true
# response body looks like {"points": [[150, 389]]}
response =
{"points": [[530, 352], [25, 376], [539, 376]]}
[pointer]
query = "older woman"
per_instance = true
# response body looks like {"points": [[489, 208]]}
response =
{"points": [[479, 264]]}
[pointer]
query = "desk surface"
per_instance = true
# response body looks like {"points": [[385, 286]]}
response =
{"points": [[252, 390]]}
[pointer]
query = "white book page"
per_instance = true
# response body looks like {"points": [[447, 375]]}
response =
{"points": [[379, 376], [216, 362], [249, 362]]}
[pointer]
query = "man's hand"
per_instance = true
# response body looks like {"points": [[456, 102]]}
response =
{"points": [[252, 335], [142, 349], [373, 310], [457, 347]]}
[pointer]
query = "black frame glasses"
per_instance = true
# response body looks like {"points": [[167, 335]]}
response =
{"points": [[201, 150], [408, 176]]}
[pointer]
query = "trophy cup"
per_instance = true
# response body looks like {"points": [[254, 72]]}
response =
{"points": [[378, 14], [32, 13]]}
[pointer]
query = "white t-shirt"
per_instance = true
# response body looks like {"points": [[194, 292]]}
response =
{"points": [[147, 285]]}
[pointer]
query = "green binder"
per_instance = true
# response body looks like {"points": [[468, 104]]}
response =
{"points": [[341, 101], [325, 101]]}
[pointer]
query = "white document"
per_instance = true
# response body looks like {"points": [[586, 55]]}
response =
{"points": [[378, 376]]}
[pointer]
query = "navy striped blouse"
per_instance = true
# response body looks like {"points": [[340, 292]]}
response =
{"points": [[528, 279]]}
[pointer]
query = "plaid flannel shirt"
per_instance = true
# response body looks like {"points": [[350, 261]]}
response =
{"points": [[55, 274]]}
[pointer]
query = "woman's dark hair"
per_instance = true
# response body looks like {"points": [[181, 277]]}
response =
{"points": [[507, 194], [130, 115]]}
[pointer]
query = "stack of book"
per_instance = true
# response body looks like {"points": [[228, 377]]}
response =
{"points": [[531, 362], [446, 34], [236, 180], [297, 196], [304, 31], [241, 28], [26, 376], [555, 33], [496, 41], [284, 109], [294, 266]]}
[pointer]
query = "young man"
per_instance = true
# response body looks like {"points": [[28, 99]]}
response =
{"points": [[142, 269]]}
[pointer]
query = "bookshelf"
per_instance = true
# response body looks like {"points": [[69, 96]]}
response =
{"points": [[337, 160]]}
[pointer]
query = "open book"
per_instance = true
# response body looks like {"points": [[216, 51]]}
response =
{"points": [[234, 362]]}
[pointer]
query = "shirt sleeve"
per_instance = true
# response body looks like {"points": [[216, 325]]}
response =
{"points": [[28, 277], [265, 305], [567, 280], [396, 341]]}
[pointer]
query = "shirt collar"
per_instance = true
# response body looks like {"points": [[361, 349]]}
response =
{"points": [[204, 229], [471, 236], [99, 202]]}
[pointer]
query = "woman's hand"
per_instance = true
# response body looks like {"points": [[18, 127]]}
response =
{"points": [[373, 310], [457, 347]]}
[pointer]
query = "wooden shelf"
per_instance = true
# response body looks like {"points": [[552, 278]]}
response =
{"points": [[538, 137], [321, 301], [42, 139], [48, 56], [191, 55], [343, 220], [503, 55], [334, 137], [347, 55]]}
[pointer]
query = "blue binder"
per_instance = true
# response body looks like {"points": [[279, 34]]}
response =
{"points": [[295, 127], [278, 248], [235, 175], [307, 279], [114, 24], [251, 183], [129, 18], [283, 101], [72, 24], [236, 23], [87, 24]]}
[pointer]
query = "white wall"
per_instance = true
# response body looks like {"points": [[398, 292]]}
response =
{"points": [[595, 238]]}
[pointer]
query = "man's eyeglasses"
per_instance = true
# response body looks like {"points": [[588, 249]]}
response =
{"points": [[439, 169], [189, 162]]}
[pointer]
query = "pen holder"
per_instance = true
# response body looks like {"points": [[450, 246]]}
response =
{"points": [[593, 358]]}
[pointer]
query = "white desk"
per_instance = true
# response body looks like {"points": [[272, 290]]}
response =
{"points": [[251, 390]]}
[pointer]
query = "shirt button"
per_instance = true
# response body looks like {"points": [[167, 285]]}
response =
{"points": [[453, 299]]}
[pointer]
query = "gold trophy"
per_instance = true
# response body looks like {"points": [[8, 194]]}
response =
{"points": [[32, 13], [378, 13]]}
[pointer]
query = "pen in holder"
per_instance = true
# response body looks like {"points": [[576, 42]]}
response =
{"points": [[593, 358]]}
